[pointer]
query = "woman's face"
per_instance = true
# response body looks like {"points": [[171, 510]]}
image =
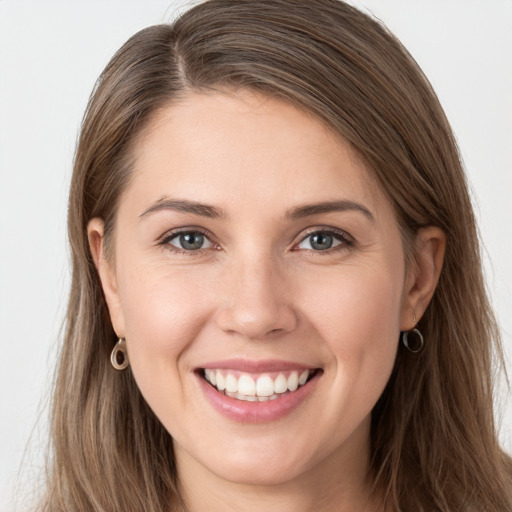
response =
{"points": [[254, 250]]}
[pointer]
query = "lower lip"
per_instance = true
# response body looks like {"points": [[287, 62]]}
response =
{"points": [[257, 412]]}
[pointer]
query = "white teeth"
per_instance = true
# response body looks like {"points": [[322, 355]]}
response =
{"points": [[265, 388], [293, 381], [210, 376], [220, 381], [246, 386], [281, 384], [231, 383], [239, 396], [303, 378]]}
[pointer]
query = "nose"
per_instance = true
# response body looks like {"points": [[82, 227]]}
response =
{"points": [[256, 302]]}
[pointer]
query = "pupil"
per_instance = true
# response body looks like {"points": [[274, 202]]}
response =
{"points": [[321, 241], [191, 240]]}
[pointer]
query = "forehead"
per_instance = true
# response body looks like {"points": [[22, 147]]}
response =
{"points": [[246, 147]]}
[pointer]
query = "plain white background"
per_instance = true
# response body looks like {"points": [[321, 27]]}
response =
{"points": [[50, 56]]}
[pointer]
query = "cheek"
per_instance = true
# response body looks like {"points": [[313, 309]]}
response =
{"points": [[357, 314], [164, 312]]}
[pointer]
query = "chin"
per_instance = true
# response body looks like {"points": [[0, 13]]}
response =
{"points": [[259, 474], [264, 466]]}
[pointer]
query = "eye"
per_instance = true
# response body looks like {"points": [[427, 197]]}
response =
{"points": [[187, 241], [323, 240]]}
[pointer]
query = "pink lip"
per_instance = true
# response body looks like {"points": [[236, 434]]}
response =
{"points": [[248, 366], [256, 412]]}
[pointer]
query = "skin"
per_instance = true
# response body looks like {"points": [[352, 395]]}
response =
{"points": [[258, 289]]}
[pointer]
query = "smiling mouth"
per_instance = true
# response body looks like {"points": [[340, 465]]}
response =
{"points": [[257, 388]]}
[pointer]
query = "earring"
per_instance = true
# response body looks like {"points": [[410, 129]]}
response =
{"points": [[119, 355], [405, 341]]}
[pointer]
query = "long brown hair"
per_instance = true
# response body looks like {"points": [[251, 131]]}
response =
{"points": [[433, 440]]}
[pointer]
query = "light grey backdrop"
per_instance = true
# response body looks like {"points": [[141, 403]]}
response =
{"points": [[50, 56]]}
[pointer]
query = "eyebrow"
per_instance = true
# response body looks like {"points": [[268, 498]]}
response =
{"points": [[183, 205], [299, 212], [327, 207]]}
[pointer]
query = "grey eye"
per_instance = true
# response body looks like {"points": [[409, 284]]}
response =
{"points": [[320, 241], [190, 241]]}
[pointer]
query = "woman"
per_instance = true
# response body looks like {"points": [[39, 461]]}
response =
{"points": [[277, 298]]}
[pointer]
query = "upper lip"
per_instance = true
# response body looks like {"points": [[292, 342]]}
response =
{"points": [[252, 366]]}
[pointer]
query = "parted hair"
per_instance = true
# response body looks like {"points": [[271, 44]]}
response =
{"points": [[434, 445]]}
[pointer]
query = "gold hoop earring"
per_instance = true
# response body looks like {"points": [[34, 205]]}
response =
{"points": [[405, 341], [119, 355]]}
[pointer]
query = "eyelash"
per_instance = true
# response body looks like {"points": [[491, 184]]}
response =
{"points": [[346, 241]]}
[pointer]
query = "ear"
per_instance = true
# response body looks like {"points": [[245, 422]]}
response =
{"points": [[423, 276], [106, 272]]}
